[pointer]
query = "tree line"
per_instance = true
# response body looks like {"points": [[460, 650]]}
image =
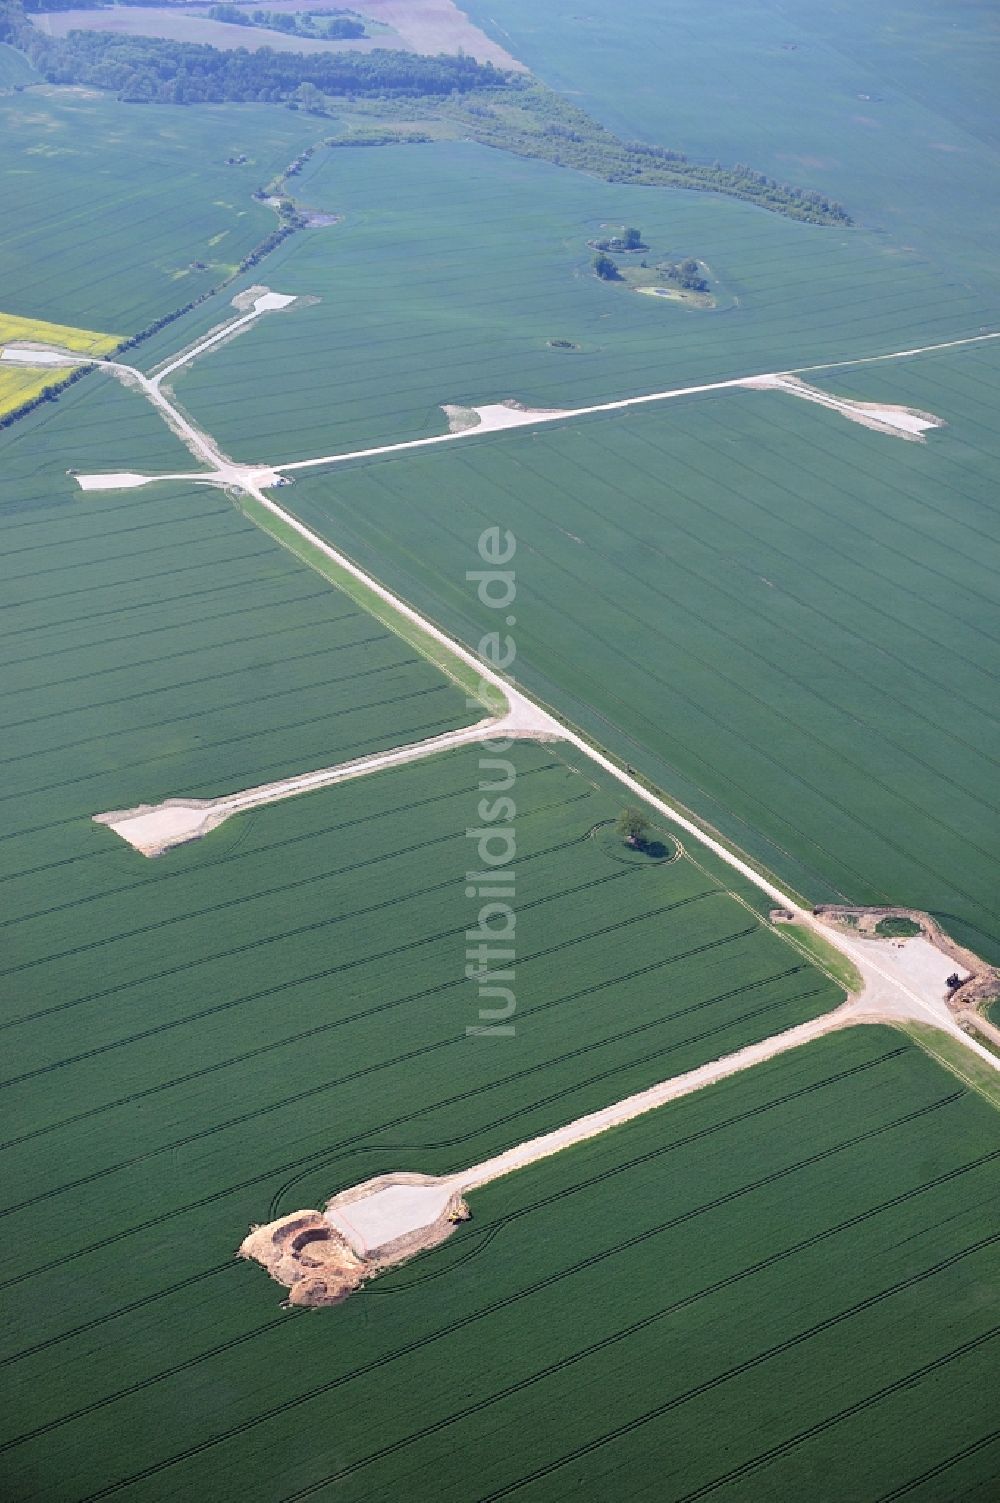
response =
{"points": [[153, 69], [331, 24], [553, 129]]}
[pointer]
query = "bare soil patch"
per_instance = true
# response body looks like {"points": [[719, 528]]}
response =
{"points": [[982, 981], [314, 1257], [242, 302], [303, 1252], [460, 419], [434, 26], [908, 423]]}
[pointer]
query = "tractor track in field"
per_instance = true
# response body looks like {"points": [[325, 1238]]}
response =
{"points": [[320, 1158], [592, 1260], [650, 1154], [311, 927], [422, 1050], [560, 1364]]}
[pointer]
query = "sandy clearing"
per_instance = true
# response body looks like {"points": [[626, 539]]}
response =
{"points": [[495, 417], [271, 301], [368, 1222], [899, 422], [433, 26], [26, 354], [907, 418], [231, 476], [898, 975], [152, 829], [123, 481]]}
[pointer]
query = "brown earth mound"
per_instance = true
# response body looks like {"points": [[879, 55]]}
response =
{"points": [[318, 1266], [303, 1252]]}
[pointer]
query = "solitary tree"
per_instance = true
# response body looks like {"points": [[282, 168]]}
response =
{"points": [[310, 99], [632, 239], [605, 267], [632, 825]]}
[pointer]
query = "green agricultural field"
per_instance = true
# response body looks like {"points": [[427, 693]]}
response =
{"points": [[787, 1282], [115, 202], [889, 108], [454, 266], [780, 1287], [254, 1020], [332, 960], [158, 643], [93, 426], [785, 619]]}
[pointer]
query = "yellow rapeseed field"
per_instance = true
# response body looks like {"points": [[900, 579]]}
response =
{"points": [[20, 383], [86, 341]]}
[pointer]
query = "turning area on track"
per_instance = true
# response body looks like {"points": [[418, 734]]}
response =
{"points": [[155, 828]]}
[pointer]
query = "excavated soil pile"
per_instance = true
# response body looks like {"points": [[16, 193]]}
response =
{"points": [[317, 1264], [303, 1252]]}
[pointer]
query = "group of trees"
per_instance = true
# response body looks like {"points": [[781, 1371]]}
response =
{"points": [[686, 274], [605, 268], [382, 137], [552, 129], [630, 239], [633, 826], [332, 24]]}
